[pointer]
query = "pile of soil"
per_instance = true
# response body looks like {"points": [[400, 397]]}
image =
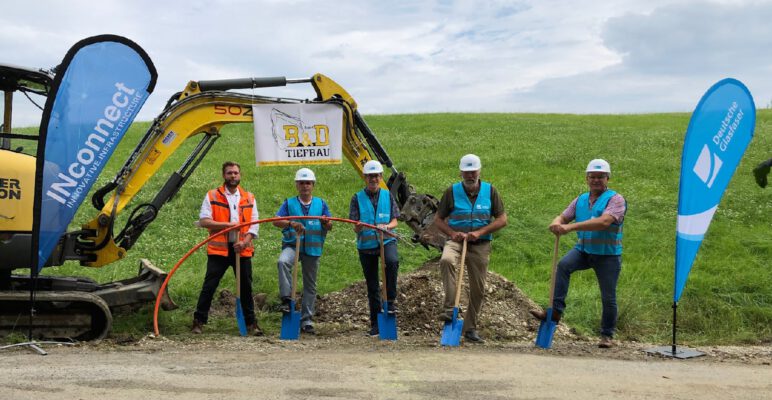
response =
{"points": [[225, 304], [420, 295]]}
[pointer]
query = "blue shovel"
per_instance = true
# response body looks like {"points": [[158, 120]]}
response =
{"points": [[290, 322], [451, 332], [239, 311], [548, 326], [387, 323]]}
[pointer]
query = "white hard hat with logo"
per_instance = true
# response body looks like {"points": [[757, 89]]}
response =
{"points": [[470, 162], [305, 174], [373, 167], [599, 165]]}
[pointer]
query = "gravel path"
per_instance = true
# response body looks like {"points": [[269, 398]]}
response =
{"points": [[357, 367]]}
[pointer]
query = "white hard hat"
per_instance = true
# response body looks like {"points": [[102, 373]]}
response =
{"points": [[305, 174], [470, 162], [373, 167], [599, 165]]}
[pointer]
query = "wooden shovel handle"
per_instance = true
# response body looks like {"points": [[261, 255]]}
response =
{"points": [[384, 296], [460, 277], [295, 266], [238, 273], [554, 270]]}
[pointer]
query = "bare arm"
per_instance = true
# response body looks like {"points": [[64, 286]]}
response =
{"points": [[560, 227], [213, 225], [391, 225], [243, 244], [297, 226], [497, 223], [442, 225], [326, 224]]}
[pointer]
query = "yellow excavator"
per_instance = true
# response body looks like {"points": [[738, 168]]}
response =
{"points": [[80, 308]]}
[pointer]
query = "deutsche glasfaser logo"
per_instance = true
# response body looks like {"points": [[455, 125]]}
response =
{"points": [[707, 167]]}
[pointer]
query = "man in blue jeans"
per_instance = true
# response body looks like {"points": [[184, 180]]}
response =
{"points": [[599, 215], [312, 234]]}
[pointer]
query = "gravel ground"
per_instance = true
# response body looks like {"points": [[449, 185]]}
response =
{"points": [[342, 363]]}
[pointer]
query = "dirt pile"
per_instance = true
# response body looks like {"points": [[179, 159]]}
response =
{"points": [[224, 304], [504, 317]]}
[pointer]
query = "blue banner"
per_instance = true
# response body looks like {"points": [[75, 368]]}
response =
{"points": [[719, 132], [99, 88]]}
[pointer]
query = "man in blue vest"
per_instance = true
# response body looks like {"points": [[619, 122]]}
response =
{"points": [[375, 206], [471, 209], [599, 216], [312, 234]]}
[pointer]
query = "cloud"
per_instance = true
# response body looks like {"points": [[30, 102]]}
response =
{"points": [[702, 38], [404, 57], [668, 57]]}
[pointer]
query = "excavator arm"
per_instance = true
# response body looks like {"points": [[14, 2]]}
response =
{"points": [[201, 110]]}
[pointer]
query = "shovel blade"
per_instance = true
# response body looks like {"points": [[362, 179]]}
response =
{"points": [[387, 324], [290, 324], [546, 331], [451, 332], [240, 318]]}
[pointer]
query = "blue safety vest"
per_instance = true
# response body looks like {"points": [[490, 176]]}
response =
{"points": [[369, 238], [466, 217], [607, 242], [312, 240]]}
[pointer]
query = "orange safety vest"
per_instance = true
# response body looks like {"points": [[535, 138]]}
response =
{"points": [[221, 212]]}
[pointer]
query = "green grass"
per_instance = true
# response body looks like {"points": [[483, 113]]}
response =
{"points": [[536, 161]]}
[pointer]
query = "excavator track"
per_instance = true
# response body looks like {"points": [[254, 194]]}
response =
{"points": [[71, 315]]}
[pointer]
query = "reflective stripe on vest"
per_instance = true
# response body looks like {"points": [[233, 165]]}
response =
{"points": [[221, 212], [607, 242], [369, 238], [312, 240], [467, 218]]}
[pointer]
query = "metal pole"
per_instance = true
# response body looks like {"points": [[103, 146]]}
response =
{"points": [[675, 307], [8, 109]]}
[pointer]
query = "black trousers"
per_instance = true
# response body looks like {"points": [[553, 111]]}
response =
{"points": [[215, 269], [371, 268]]}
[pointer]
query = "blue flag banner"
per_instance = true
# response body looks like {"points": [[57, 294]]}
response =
{"points": [[720, 130], [99, 88]]}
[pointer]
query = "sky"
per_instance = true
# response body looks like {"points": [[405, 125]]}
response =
{"points": [[400, 57]]}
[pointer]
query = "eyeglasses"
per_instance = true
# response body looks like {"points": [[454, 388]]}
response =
{"points": [[305, 182], [370, 176], [601, 176]]}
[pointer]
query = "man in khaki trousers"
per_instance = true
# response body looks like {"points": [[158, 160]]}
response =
{"points": [[469, 210]]}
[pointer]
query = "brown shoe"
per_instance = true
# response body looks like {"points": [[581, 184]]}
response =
{"points": [[197, 328], [254, 329], [606, 342], [541, 315]]}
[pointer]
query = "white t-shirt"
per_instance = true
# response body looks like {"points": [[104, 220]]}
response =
{"points": [[233, 203]]}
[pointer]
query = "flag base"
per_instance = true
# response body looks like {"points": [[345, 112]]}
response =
{"points": [[33, 345], [680, 353]]}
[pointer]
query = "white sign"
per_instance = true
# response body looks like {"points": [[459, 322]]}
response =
{"points": [[298, 134]]}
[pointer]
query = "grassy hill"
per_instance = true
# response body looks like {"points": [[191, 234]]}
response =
{"points": [[536, 161]]}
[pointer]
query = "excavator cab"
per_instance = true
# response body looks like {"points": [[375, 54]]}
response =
{"points": [[17, 164]]}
